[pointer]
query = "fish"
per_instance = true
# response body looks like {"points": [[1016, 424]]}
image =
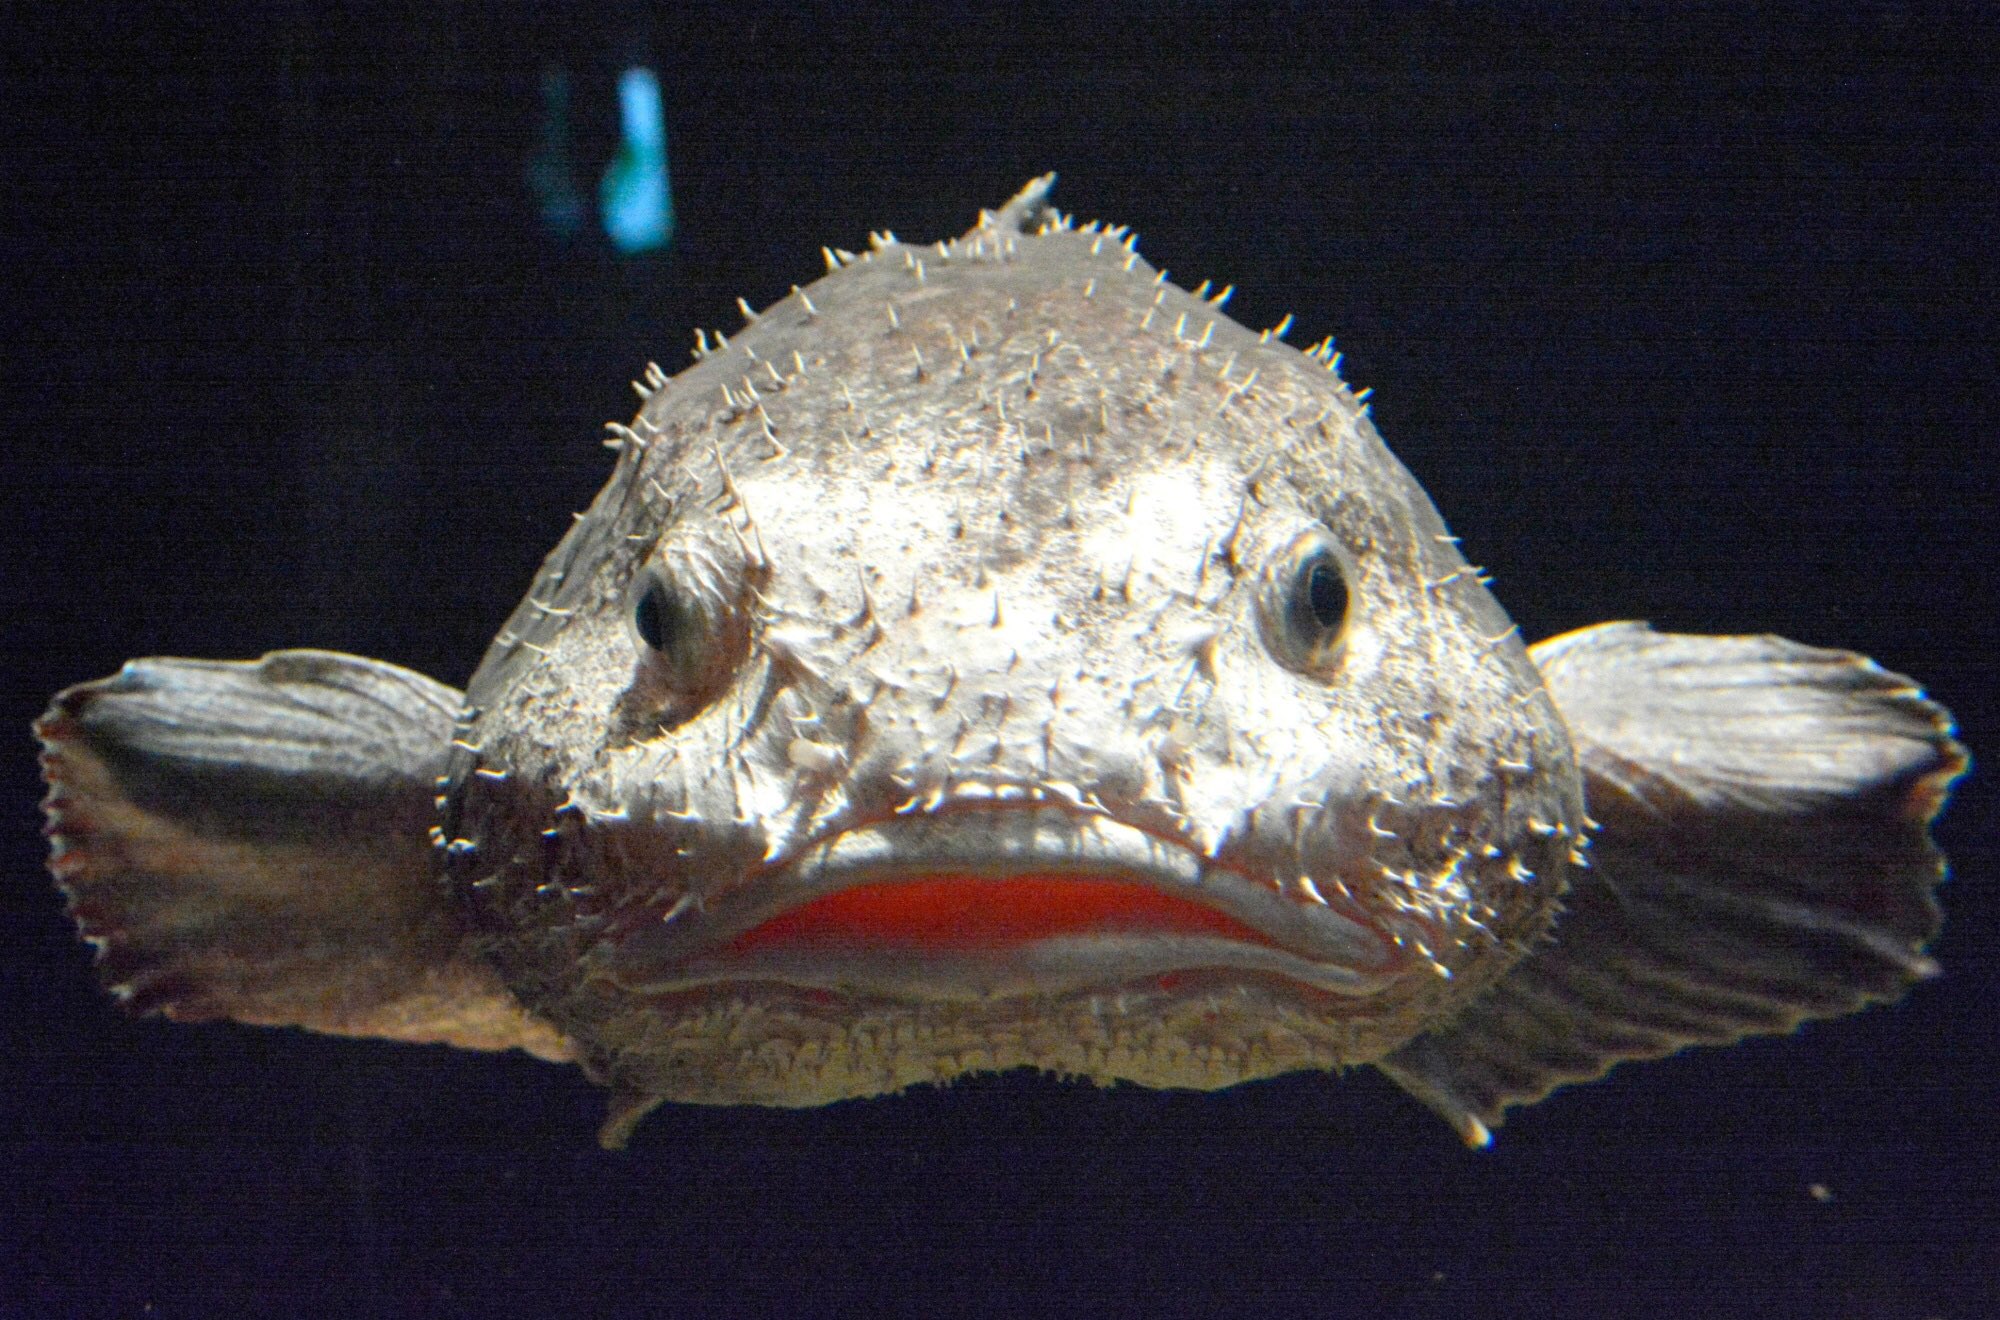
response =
{"points": [[993, 657]]}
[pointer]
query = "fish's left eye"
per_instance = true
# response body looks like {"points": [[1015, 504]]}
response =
{"points": [[1305, 605], [1321, 593]]}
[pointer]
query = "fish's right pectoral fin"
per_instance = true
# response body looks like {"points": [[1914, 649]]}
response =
{"points": [[1762, 857], [249, 840]]}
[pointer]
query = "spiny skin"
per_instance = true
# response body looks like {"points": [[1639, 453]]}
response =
{"points": [[995, 657], [1002, 526]]}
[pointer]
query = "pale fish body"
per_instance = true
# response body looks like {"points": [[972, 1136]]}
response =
{"points": [[996, 657]]}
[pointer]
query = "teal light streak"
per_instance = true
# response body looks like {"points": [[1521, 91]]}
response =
{"points": [[637, 202]]}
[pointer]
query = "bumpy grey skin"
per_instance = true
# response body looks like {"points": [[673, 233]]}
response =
{"points": [[1000, 533], [1003, 561]]}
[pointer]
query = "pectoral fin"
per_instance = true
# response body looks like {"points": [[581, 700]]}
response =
{"points": [[249, 841], [1763, 857]]}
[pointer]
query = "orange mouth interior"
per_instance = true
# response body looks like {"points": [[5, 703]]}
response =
{"points": [[965, 913]]}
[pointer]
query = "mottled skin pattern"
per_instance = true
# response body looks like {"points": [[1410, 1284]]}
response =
{"points": [[1002, 525]]}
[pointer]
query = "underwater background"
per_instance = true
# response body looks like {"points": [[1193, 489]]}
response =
{"points": [[314, 316]]}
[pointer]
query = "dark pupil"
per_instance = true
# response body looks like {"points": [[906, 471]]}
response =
{"points": [[1326, 594], [653, 616]]}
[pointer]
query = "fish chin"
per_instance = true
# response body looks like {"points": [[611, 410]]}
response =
{"points": [[1005, 903]]}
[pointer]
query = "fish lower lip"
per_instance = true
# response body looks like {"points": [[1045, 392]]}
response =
{"points": [[896, 908]]}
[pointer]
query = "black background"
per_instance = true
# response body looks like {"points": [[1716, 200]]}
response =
{"points": [[1679, 313]]}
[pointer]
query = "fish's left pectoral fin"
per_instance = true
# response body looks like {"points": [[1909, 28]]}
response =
{"points": [[1762, 857], [248, 840]]}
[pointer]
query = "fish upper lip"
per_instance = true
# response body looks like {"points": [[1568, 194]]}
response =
{"points": [[1314, 943]]}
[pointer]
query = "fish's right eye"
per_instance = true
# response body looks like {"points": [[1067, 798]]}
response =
{"points": [[689, 646], [656, 615], [675, 627]]}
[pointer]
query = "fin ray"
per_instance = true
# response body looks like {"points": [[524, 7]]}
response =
{"points": [[247, 840], [1763, 858]]}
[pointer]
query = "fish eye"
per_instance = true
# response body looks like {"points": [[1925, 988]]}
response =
{"points": [[689, 643], [674, 629], [1322, 593], [1305, 605], [655, 616]]}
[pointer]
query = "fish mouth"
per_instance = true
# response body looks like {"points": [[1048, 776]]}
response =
{"points": [[989, 903]]}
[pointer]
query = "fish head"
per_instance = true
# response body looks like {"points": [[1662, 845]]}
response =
{"points": [[996, 656]]}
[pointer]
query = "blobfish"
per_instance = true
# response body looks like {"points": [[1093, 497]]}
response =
{"points": [[995, 657]]}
